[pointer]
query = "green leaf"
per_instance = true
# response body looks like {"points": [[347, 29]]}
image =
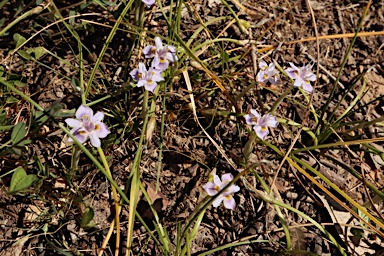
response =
{"points": [[39, 52], [11, 100], [87, 217], [224, 56], [19, 83], [24, 54], [5, 127], [20, 180], [18, 132], [1, 70], [19, 40]]}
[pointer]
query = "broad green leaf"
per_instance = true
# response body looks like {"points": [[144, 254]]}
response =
{"points": [[1, 70], [24, 54], [20, 180], [18, 132], [39, 52], [19, 40], [87, 217]]}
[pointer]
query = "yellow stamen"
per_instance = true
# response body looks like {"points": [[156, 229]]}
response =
{"points": [[153, 50], [216, 188], [97, 127], [149, 81], [263, 128], [82, 132]]}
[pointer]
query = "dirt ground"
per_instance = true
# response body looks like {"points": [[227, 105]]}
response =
{"points": [[45, 220]]}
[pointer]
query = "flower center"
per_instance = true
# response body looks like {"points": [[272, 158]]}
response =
{"points": [[263, 128], [254, 119], [162, 60], [216, 188], [150, 81], [153, 50], [139, 75]]}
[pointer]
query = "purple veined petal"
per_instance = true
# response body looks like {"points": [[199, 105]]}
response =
{"points": [[274, 79], [73, 122], [101, 130], [156, 75], [149, 51], [171, 56], [158, 43], [270, 121], [135, 74], [249, 119], [141, 83], [298, 82], [210, 188], [271, 67], [150, 86], [229, 202], [95, 141], [255, 113], [142, 67], [307, 87], [227, 177], [234, 189], [261, 76], [163, 64], [172, 49], [263, 65], [310, 77], [261, 132], [80, 137], [216, 180], [217, 201], [148, 3], [155, 62], [84, 111], [98, 117]]}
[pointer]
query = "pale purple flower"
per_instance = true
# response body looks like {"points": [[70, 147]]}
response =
{"points": [[302, 76], [261, 123], [217, 185], [267, 73], [88, 125], [147, 78], [148, 3], [162, 54]]}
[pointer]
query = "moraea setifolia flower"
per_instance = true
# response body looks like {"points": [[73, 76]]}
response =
{"points": [[162, 54], [267, 73], [147, 78], [261, 123], [88, 125], [302, 76], [217, 185]]}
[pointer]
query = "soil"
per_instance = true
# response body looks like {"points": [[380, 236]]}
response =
{"points": [[45, 219]]}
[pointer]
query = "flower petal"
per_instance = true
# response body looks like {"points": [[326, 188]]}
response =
{"points": [[227, 177], [158, 43], [84, 110], [103, 130], [255, 113], [210, 188], [73, 122], [217, 201], [95, 141], [98, 117], [150, 87], [261, 133], [307, 87], [148, 52], [229, 202], [249, 119]]}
